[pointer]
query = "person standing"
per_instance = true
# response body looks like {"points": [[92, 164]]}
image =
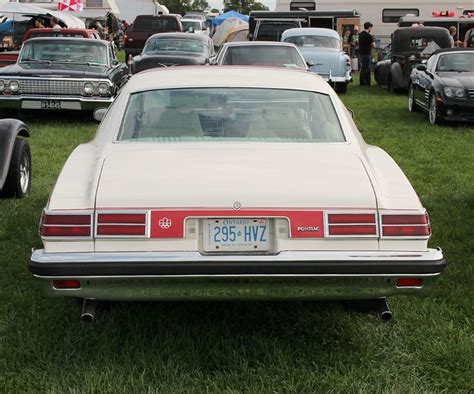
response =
{"points": [[354, 42], [366, 43], [453, 37], [469, 39]]}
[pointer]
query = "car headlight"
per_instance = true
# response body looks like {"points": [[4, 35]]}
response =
{"points": [[454, 92], [104, 89], [2, 86], [88, 88], [14, 86]]}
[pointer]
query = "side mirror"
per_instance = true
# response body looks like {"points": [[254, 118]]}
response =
{"points": [[310, 63], [421, 67], [99, 114]]}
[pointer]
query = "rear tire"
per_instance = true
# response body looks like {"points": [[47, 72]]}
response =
{"points": [[18, 182], [341, 87]]}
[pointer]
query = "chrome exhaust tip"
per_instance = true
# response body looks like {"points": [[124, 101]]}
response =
{"points": [[89, 308], [383, 309]]}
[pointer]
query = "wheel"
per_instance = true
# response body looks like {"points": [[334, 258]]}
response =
{"points": [[433, 110], [18, 180], [411, 99], [341, 88]]}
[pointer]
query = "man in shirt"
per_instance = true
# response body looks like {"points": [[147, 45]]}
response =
{"points": [[54, 24], [366, 43], [469, 39]]}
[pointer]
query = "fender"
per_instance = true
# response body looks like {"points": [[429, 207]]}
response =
{"points": [[9, 130], [398, 80]]}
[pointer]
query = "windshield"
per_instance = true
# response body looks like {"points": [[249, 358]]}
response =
{"points": [[314, 41], [456, 62], [220, 114], [174, 45], [270, 55], [188, 25], [64, 52]]}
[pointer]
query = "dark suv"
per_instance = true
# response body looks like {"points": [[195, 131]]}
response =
{"points": [[410, 45], [144, 26]]}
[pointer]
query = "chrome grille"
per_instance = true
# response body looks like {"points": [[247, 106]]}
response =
{"points": [[471, 93], [51, 86]]}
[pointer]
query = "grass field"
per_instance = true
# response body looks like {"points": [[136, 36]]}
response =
{"points": [[255, 346]]}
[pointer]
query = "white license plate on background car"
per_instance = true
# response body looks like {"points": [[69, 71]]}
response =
{"points": [[50, 104], [234, 234]]}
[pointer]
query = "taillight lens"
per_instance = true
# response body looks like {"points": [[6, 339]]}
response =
{"points": [[66, 225], [352, 224], [66, 284], [406, 225], [409, 282], [121, 224]]}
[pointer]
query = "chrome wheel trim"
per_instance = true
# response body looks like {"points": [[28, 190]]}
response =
{"points": [[25, 173], [411, 99], [433, 112]]}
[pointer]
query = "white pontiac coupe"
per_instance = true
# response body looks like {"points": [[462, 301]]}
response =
{"points": [[218, 182]]}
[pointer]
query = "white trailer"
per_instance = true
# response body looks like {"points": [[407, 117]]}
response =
{"points": [[383, 14]]}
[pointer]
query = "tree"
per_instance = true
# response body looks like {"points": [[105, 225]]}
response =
{"points": [[244, 6], [177, 6], [199, 5], [215, 11]]}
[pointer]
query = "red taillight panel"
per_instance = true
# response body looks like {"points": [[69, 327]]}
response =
{"points": [[66, 284], [121, 224], [409, 282], [352, 224], [406, 225], [66, 225]]}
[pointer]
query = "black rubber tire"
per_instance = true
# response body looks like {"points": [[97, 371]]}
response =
{"points": [[13, 186], [341, 88]]}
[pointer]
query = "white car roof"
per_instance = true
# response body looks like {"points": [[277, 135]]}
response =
{"points": [[258, 43], [226, 76], [310, 31]]}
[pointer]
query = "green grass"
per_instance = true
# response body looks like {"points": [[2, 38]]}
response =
{"points": [[254, 346]]}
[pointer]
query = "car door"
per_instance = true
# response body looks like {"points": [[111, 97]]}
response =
{"points": [[425, 81]]}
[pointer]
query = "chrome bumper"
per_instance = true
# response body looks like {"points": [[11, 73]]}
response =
{"points": [[193, 276], [69, 103]]}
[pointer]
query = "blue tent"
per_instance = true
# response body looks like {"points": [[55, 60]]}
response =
{"points": [[231, 14]]}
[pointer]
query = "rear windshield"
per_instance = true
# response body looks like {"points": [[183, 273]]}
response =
{"points": [[263, 55], [155, 24], [311, 41], [270, 31], [222, 114], [56, 34], [165, 45]]}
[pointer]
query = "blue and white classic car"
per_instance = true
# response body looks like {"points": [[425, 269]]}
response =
{"points": [[322, 50]]}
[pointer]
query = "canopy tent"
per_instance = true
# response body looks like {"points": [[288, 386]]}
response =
{"points": [[70, 5], [228, 29], [218, 20]]}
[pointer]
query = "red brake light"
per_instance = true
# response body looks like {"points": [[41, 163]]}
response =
{"points": [[352, 224], [409, 282], [64, 225], [66, 284], [352, 230], [405, 225], [121, 224]]}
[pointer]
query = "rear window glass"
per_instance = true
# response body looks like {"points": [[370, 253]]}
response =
{"points": [[272, 31], [56, 34], [220, 114], [155, 24], [271, 55]]}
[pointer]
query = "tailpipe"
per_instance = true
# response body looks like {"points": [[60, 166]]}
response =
{"points": [[89, 308], [383, 309]]}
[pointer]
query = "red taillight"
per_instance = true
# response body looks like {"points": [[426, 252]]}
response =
{"points": [[409, 282], [64, 225], [405, 225], [121, 224], [352, 224], [66, 284]]}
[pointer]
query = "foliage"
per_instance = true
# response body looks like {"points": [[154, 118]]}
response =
{"points": [[244, 6], [255, 347], [199, 5], [177, 6]]}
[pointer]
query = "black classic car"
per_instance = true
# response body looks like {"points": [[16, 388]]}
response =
{"points": [[174, 49], [15, 159], [62, 73], [410, 46], [444, 86]]}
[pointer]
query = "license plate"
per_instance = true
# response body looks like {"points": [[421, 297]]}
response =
{"points": [[238, 235], [50, 104]]}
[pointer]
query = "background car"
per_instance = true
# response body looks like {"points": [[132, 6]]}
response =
{"points": [[174, 49], [15, 158], [410, 45], [444, 86], [259, 53], [62, 74], [217, 182], [195, 26], [322, 51]]}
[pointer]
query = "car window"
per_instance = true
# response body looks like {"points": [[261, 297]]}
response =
{"points": [[86, 51], [311, 41], [174, 45], [219, 114], [430, 63], [456, 62], [271, 31], [191, 25], [270, 55], [155, 24]]}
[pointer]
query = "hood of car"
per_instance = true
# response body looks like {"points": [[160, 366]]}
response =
{"points": [[70, 70], [325, 59], [457, 79], [217, 175]]}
